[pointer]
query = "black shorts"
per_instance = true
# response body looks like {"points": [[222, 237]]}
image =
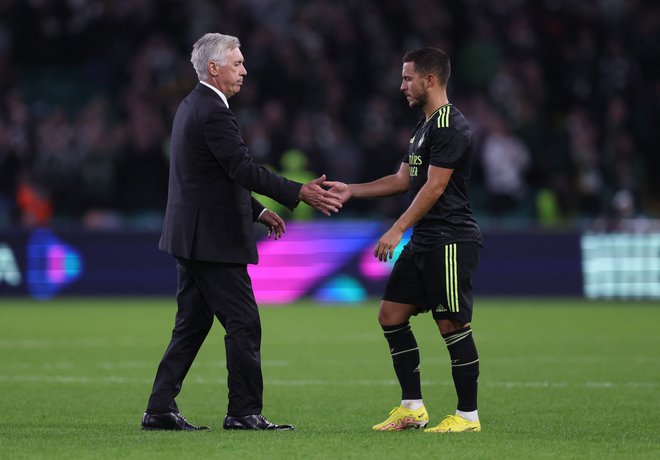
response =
{"points": [[439, 280]]}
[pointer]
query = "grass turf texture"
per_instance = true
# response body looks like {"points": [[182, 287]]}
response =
{"points": [[559, 379]]}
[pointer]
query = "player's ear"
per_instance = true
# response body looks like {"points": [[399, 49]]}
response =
{"points": [[430, 81]]}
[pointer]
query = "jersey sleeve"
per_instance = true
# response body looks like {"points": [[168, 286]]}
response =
{"points": [[448, 147]]}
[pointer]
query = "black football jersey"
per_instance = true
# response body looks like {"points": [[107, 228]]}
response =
{"points": [[444, 140]]}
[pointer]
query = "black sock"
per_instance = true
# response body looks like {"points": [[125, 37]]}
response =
{"points": [[405, 357], [464, 367]]}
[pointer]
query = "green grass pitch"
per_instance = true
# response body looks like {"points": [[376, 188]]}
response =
{"points": [[563, 378]]}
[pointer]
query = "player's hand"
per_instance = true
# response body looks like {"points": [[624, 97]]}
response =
{"points": [[274, 223], [387, 243], [324, 200], [339, 188]]}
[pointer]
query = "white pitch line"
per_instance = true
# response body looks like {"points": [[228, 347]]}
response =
{"points": [[110, 365], [77, 343], [64, 379], [67, 379]]}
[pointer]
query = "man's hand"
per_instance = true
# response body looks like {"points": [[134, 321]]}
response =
{"points": [[387, 243], [339, 188], [324, 200], [274, 223]]}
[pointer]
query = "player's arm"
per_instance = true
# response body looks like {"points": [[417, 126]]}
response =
{"points": [[435, 185], [394, 184]]}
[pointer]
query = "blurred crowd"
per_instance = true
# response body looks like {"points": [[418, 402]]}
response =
{"points": [[564, 98]]}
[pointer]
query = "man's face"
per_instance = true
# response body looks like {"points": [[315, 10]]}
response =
{"points": [[413, 85], [228, 75]]}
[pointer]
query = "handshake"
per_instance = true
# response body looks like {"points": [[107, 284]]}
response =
{"points": [[327, 201], [332, 198]]}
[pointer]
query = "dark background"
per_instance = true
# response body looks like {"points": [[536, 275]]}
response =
{"points": [[564, 98]]}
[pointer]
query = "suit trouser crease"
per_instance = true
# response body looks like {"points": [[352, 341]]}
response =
{"points": [[206, 289]]}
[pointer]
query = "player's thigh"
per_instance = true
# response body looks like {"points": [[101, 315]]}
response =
{"points": [[448, 275], [393, 313], [405, 294]]}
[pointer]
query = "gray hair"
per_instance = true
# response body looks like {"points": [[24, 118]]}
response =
{"points": [[211, 47]]}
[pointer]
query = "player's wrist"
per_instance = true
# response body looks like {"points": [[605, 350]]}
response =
{"points": [[400, 227], [350, 191]]}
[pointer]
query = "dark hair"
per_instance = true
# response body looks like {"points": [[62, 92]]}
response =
{"points": [[430, 60]]}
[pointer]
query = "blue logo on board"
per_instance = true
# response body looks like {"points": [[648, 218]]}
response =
{"points": [[51, 264]]}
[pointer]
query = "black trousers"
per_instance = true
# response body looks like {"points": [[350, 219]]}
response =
{"points": [[206, 290]]}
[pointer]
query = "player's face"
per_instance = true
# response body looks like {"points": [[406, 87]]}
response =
{"points": [[413, 85], [228, 75]]}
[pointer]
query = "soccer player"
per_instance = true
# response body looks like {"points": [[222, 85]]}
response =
{"points": [[434, 270]]}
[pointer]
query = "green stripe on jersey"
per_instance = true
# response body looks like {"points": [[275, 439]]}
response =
{"points": [[443, 116]]}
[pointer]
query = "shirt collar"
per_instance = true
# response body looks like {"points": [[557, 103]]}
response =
{"points": [[218, 92]]}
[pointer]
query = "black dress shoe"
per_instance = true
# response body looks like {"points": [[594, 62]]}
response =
{"points": [[168, 421], [252, 422]]}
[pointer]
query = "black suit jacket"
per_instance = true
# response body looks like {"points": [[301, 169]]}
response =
{"points": [[210, 211]]}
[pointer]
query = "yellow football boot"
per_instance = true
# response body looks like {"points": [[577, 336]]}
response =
{"points": [[401, 418], [454, 424]]}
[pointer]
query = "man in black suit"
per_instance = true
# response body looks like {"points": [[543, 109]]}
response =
{"points": [[208, 228]]}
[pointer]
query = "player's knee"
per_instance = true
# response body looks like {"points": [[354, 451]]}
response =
{"points": [[447, 326], [388, 317], [382, 318]]}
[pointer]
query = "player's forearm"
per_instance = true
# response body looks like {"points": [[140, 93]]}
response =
{"points": [[422, 204], [385, 186]]}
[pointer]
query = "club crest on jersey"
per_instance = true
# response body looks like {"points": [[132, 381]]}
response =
{"points": [[419, 142]]}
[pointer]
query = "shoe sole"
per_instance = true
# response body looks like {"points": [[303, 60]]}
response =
{"points": [[256, 429], [411, 426], [469, 430], [415, 426], [149, 428]]}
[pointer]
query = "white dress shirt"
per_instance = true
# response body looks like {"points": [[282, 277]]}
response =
{"points": [[218, 92]]}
